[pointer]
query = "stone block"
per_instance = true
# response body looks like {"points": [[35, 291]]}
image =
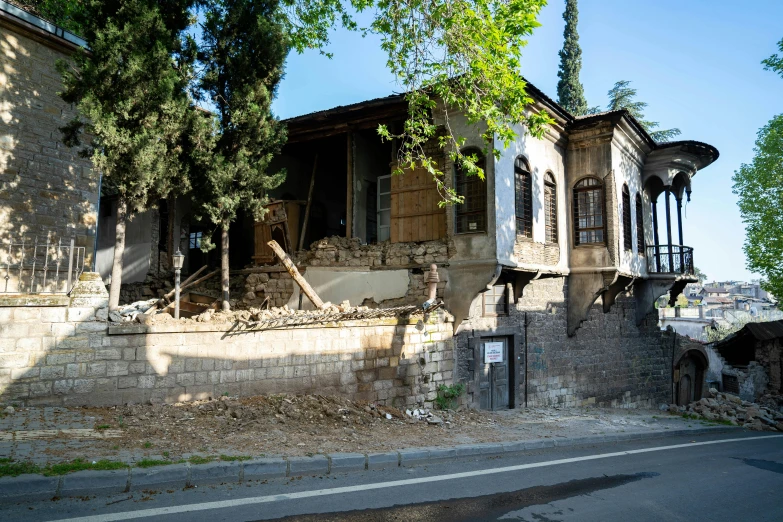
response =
{"points": [[25, 315], [158, 477], [104, 482], [265, 468], [28, 344], [215, 473], [382, 460], [343, 462], [60, 358], [107, 354], [80, 314], [52, 372], [127, 382], [116, 368], [54, 315], [413, 456], [315, 465], [83, 385], [28, 487]]}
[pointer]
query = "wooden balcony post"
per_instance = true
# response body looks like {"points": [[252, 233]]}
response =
{"points": [[669, 228], [679, 229], [656, 241]]}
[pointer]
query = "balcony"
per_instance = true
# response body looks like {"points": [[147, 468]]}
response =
{"points": [[669, 259]]}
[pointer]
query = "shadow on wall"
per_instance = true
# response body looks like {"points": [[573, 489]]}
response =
{"points": [[65, 356], [45, 187]]}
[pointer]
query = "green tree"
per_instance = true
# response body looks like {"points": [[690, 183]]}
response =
{"points": [[622, 96], [759, 186], [242, 51], [449, 56], [570, 93], [68, 14], [132, 104], [701, 276]]}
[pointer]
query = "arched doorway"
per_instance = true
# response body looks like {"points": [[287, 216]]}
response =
{"points": [[689, 374]]}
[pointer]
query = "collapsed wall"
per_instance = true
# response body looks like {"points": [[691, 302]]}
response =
{"points": [[57, 353]]}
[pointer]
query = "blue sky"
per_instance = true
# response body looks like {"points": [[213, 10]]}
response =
{"points": [[696, 63]]}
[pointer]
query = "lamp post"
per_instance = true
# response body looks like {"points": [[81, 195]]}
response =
{"points": [[177, 259]]}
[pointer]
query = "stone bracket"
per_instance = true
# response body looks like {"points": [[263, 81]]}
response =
{"points": [[583, 290], [620, 283], [465, 281]]}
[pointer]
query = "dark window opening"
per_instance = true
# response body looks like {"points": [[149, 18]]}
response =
{"points": [[550, 208], [194, 241], [470, 215], [627, 234], [524, 197], [589, 212], [639, 225]]}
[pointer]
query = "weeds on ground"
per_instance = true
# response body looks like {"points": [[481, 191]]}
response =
{"points": [[198, 459], [448, 395], [148, 463], [232, 458], [9, 468]]}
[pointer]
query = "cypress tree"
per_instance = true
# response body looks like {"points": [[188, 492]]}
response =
{"points": [[570, 93], [242, 50], [130, 91]]}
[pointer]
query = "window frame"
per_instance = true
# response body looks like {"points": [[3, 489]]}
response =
{"points": [[475, 201], [523, 182], [598, 187], [550, 209], [640, 247], [380, 210], [500, 283], [627, 222]]}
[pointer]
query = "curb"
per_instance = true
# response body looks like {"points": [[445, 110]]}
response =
{"points": [[177, 476]]}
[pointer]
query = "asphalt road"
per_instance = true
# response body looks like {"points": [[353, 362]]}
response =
{"points": [[735, 477]]}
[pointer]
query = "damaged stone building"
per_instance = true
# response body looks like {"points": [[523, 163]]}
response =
{"points": [[549, 270], [555, 260]]}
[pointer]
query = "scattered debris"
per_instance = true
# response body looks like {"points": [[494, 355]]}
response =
{"points": [[730, 409]]}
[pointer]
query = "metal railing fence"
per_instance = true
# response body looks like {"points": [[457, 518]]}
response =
{"points": [[669, 259], [40, 265]]}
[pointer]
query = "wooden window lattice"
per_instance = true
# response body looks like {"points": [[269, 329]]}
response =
{"points": [[550, 208], [524, 197], [589, 212], [627, 233], [639, 226], [470, 215]]}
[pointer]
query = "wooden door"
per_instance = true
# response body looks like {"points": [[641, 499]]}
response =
{"points": [[494, 390]]}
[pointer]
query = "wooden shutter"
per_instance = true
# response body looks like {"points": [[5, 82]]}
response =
{"points": [[415, 214]]}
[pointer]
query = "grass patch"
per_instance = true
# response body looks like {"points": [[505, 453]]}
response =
{"points": [[102, 427], [148, 445], [9, 468], [232, 458], [198, 459], [81, 465], [148, 463]]}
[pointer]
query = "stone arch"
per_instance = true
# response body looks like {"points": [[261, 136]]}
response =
{"points": [[690, 370]]}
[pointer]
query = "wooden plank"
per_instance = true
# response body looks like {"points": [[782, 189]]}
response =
{"points": [[349, 188]]}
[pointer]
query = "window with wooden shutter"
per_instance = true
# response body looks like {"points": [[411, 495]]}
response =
{"points": [[588, 212], [523, 188], [550, 208], [414, 213], [639, 225], [470, 215], [495, 300], [627, 232]]}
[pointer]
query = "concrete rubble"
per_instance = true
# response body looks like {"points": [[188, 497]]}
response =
{"points": [[727, 408]]}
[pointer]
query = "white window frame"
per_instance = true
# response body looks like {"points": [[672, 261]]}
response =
{"points": [[384, 231]]}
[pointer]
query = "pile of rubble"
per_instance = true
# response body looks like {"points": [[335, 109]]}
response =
{"points": [[341, 251], [273, 287], [730, 409]]}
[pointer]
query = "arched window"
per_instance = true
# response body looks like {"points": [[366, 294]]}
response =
{"points": [[627, 232], [471, 214], [550, 208], [588, 212], [639, 225], [523, 187]]}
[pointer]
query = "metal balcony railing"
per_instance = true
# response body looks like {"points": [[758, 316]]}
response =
{"points": [[669, 259], [40, 265]]}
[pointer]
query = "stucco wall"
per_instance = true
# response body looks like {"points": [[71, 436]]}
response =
{"points": [[44, 185]]}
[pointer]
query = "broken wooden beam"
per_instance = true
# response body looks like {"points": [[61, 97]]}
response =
{"points": [[295, 275]]}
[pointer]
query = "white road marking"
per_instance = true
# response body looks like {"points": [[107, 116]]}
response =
{"points": [[222, 504]]}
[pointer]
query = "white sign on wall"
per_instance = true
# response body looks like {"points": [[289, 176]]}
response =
{"points": [[493, 352]]}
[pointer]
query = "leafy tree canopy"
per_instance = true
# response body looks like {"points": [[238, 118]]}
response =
{"points": [[622, 96], [759, 186], [775, 62]]}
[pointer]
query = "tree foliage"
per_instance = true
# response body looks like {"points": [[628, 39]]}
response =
{"points": [[759, 186], [68, 14], [449, 56], [242, 51], [622, 96], [132, 103], [570, 93]]}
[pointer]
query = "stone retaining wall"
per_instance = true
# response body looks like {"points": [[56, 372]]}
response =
{"points": [[67, 355]]}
